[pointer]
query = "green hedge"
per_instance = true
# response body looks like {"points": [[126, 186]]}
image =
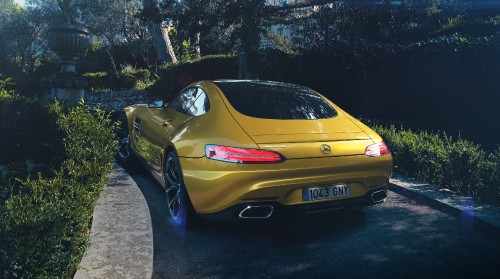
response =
{"points": [[28, 130], [45, 216], [174, 77], [458, 165]]}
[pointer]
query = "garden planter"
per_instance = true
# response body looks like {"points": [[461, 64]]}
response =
{"points": [[69, 42]]}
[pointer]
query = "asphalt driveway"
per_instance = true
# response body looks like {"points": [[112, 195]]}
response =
{"points": [[398, 239]]}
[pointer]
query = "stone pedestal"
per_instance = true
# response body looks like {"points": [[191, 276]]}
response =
{"points": [[68, 86], [69, 42]]}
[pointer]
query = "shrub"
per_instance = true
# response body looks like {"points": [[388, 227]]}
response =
{"points": [[128, 78], [4, 92], [28, 130], [45, 220], [135, 78], [459, 165], [98, 81]]}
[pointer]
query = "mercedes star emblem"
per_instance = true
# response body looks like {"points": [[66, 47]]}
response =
{"points": [[325, 148]]}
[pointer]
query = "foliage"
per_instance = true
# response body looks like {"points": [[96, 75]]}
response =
{"points": [[186, 50], [4, 92], [224, 26], [206, 18], [103, 58], [24, 52], [28, 131], [459, 165], [128, 78], [135, 78], [22, 41], [470, 23], [98, 81], [45, 219]]}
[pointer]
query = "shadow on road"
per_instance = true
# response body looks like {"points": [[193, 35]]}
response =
{"points": [[398, 239]]}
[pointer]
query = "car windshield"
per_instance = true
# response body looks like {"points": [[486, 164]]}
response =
{"points": [[275, 100]]}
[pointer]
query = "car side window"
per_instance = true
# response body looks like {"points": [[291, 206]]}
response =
{"points": [[201, 105], [183, 101], [192, 101]]}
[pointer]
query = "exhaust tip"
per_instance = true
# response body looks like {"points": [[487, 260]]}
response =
{"points": [[379, 196], [257, 212]]}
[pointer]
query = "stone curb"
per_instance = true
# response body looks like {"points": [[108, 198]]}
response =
{"points": [[479, 215], [121, 236]]}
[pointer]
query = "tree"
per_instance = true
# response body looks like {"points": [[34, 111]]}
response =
{"points": [[7, 9], [198, 17], [109, 30], [22, 40], [158, 28]]}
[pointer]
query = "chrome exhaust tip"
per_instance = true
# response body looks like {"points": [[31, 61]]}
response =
{"points": [[257, 212], [379, 196]]}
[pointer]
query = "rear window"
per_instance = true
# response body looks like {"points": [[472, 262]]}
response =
{"points": [[274, 100]]}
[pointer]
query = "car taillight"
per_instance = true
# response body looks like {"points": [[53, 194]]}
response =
{"points": [[377, 149], [241, 155]]}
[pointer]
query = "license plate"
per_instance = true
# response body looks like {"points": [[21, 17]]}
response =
{"points": [[324, 193]]}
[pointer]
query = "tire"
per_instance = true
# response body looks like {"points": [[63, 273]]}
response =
{"points": [[180, 210], [124, 152]]}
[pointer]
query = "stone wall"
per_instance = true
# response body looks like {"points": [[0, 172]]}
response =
{"points": [[116, 100]]}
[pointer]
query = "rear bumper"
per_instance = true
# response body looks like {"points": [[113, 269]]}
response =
{"points": [[233, 213], [215, 186]]}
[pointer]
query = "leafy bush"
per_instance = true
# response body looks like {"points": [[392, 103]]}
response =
{"points": [[128, 78], [98, 81], [4, 92], [45, 220], [135, 78], [459, 165], [28, 130]]}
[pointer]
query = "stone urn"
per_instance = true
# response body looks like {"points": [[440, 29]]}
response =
{"points": [[69, 42]]}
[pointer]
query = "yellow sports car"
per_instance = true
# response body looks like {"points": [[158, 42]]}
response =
{"points": [[246, 149]]}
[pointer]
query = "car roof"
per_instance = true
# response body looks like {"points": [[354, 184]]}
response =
{"points": [[275, 86]]}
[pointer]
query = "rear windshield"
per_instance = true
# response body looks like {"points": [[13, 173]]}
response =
{"points": [[274, 100]]}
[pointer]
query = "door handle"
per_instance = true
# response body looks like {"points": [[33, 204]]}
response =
{"points": [[166, 123]]}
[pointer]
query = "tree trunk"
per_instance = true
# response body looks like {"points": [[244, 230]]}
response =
{"points": [[3, 56], [168, 43], [248, 65], [160, 47], [197, 44], [159, 33], [244, 71]]}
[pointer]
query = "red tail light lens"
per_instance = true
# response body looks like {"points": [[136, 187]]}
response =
{"points": [[241, 155], [377, 149]]}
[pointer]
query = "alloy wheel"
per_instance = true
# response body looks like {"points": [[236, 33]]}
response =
{"points": [[124, 148], [173, 189]]}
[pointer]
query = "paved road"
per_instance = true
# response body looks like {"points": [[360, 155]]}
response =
{"points": [[399, 239]]}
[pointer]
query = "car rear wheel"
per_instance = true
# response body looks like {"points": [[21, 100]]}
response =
{"points": [[180, 209], [124, 152]]}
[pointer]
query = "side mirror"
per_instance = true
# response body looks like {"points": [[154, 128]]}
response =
{"points": [[156, 104]]}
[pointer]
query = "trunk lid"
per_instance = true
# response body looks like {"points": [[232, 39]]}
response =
{"points": [[299, 139]]}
